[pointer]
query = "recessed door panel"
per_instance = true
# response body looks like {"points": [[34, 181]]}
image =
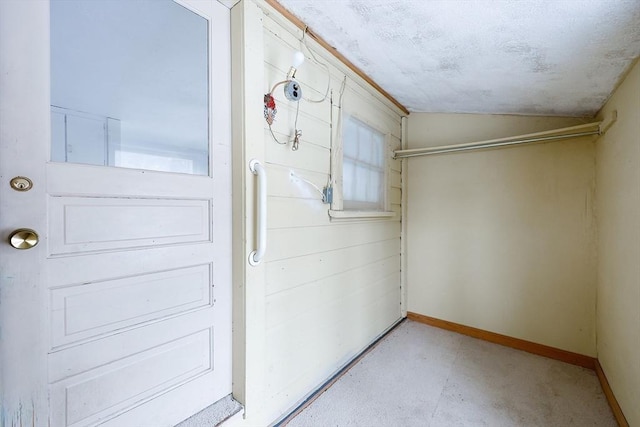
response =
{"points": [[106, 390], [88, 224], [90, 310]]}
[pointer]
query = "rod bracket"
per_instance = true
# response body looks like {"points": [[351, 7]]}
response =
{"points": [[606, 124]]}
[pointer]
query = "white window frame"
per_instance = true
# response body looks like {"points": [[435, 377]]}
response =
{"points": [[337, 211]]}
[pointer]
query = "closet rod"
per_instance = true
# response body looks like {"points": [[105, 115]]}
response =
{"points": [[550, 135]]}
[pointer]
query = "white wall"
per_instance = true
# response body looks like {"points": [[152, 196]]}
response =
{"points": [[326, 289], [503, 240], [618, 207]]}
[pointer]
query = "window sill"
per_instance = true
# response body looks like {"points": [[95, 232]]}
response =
{"points": [[346, 215]]}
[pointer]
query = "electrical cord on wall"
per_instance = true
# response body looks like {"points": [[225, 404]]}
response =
{"points": [[315, 187], [303, 42], [297, 132], [270, 109], [338, 131]]}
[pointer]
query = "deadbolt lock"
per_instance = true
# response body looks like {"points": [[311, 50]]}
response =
{"points": [[21, 183], [24, 238]]}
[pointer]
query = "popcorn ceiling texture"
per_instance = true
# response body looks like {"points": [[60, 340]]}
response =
{"points": [[542, 57]]}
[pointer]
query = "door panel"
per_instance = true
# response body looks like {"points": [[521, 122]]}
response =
{"points": [[108, 389], [117, 346], [88, 310], [123, 309], [84, 224]]}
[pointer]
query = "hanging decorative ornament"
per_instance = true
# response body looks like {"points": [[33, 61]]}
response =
{"points": [[269, 108]]}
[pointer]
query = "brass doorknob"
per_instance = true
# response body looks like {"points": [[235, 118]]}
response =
{"points": [[24, 238]]}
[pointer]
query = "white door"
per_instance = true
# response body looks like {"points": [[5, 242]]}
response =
{"points": [[118, 115]]}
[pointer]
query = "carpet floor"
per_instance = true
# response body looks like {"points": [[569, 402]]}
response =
{"points": [[419, 375], [215, 414]]}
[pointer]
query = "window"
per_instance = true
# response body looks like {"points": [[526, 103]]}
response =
{"points": [[111, 92], [363, 167]]}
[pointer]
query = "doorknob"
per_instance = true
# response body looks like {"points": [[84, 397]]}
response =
{"points": [[24, 238]]}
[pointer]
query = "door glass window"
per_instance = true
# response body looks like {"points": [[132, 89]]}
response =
{"points": [[130, 85]]}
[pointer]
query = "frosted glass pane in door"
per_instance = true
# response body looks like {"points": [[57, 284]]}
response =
{"points": [[130, 85]]}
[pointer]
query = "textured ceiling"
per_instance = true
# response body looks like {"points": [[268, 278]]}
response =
{"points": [[543, 57]]}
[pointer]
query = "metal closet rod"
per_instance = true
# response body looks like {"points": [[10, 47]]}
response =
{"points": [[549, 135]]}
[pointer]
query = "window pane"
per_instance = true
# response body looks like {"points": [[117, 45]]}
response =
{"points": [[347, 180], [378, 144], [374, 195], [363, 166], [365, 145], [130, 77], [128, 159], [360, 184], [350, 139]]}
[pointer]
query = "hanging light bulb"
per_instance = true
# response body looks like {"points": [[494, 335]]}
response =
{"points": [[298, 59], [292, 89]]}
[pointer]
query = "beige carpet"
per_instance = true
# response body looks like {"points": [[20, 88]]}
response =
{"points": [[424, 376], [215, 414]]}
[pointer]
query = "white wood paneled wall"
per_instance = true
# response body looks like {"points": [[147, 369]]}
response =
{"points": [[331, 288]]}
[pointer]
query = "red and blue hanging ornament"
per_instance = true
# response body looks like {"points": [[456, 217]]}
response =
{"points": [[269, 108]]}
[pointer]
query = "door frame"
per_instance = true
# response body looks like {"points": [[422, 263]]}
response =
{"points": [[249, 303]]}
